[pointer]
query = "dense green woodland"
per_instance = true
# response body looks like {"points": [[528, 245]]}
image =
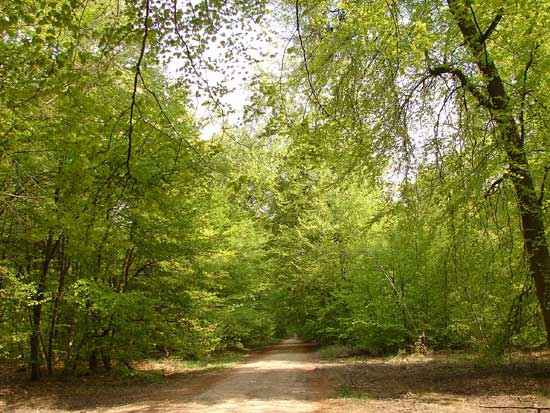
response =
{"points": [[385, 189]]}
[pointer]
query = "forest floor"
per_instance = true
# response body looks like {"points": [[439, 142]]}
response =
{"points": [[439, 383], [290, 377]]}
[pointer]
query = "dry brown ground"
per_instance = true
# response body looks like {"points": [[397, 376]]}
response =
{"points": [[103, 393], [438, 383], [281, 378], [290, 378]]}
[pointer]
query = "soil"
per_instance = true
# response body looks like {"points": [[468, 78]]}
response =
{"points": [[290, 377], [439, 383], [282, 378]]}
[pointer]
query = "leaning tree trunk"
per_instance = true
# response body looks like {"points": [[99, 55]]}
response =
{"points": [[495, 98], [534, 237]]}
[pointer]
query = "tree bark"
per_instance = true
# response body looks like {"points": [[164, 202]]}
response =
{"points": [[63, 269], [49, 250], [106, 359], [69, 350], [498, 102], [93, 363]]}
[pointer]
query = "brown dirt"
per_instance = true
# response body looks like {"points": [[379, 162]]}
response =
{"points": [[104, 393], [282, 378], [289, 377], [437, 384]]}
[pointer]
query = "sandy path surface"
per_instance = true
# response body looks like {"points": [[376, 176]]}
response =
{"points": [[280, 380]]}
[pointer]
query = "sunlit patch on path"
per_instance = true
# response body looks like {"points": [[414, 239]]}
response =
{"points": [[278, 381]]}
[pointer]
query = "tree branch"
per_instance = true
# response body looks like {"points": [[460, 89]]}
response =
{"points": [[541, 196], [464, 82], [136, 80], [194, 67], [524, 92], [306, 64], [495, 186], [492, 26]]}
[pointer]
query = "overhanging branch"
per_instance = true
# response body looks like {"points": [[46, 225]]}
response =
{"points": [[465, 82], [492, 26]]}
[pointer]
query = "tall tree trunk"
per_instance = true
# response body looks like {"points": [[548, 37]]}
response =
{"points": [[106, 359], [498, 102], [536, 244], [49, 250], [92, 361], [63, 269], [67, 364]]}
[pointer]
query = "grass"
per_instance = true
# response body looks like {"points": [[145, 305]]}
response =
{"points": [[141, 376], [351, 393], [174, 365], [335, 351]]}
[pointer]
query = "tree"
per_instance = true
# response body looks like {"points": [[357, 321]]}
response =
{"points": [[105, 210], [378, 70]]}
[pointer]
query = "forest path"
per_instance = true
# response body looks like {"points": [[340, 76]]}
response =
{"points": [[281, 379], [289, 377], [285, 377]]}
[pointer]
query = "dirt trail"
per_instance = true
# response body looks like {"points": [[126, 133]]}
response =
{"points": [[289, 377], [280, 380]]}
